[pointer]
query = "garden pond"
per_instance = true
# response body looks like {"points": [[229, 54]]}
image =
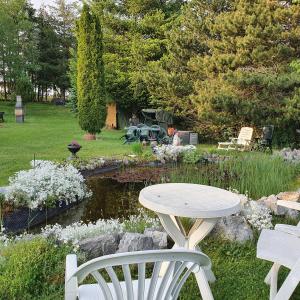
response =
{"points": [[115, 191]]}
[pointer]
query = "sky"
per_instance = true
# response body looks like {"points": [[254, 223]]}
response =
{"points": [[38, 3]]}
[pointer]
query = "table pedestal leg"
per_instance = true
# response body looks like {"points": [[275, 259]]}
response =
{"points": [[200, 229]]}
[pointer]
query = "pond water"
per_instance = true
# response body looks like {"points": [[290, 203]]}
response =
{"points": [[115, 195]]}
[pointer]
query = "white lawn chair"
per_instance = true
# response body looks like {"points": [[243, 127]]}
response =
{"points": [[181, 264], [283, 249], [242, 142]]}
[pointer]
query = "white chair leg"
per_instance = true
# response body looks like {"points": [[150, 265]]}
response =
{"points": [[274, 280], [209, 275], [204, 288], [268, 277], [290, 283]]}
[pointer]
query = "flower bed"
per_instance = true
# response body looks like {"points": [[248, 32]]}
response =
{"points": [[42, 192]]}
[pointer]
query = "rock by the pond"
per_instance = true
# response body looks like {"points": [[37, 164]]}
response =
{"points": [[234, 228], [271, 202], [292, 213], [289, 196], [159, 238], [135, 242], [101, 245]]}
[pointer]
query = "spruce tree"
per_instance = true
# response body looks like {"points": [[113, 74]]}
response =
{"points": [[90, 73]]}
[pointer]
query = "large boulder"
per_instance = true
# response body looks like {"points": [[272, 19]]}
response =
{"points": [[101, 245], [135, 242], [233, 228], [159, 238]]}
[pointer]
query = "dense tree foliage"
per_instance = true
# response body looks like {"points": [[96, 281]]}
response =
{"points": [[217, 65], [229, 64], [34, 48], [90, 73], [134, 36], [18, 48]]}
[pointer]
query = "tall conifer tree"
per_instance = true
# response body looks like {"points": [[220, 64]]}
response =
{"points": [[90, 73]]}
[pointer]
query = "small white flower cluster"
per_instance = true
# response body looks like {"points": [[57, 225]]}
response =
{"points": [[46, 183], [137, 223], [258, 215], [90, 164], [6, 239], [166, 153], [79, 230]]}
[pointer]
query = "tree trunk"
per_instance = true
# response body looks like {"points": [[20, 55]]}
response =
{"points": [[4, 77]]}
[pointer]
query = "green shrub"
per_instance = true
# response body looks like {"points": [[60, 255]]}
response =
{"points": [[32, 270], [192, 157]]}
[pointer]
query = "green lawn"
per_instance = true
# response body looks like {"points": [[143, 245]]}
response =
{"points": [[47, 131]]}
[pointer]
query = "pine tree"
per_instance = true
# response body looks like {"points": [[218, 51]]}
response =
{"points": [[90, 73], [245, 78], [64, 15]]}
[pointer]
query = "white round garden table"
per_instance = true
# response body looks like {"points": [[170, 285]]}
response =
{"points": [[203, 203]]}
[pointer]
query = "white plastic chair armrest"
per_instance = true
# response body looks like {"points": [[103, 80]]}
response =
{"points": [[71, 265], [290, 229], [71, 284], [289, 204]]}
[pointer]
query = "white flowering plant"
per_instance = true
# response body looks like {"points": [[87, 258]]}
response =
{"points": [[45, 184], [166, 153], [258, 215]]}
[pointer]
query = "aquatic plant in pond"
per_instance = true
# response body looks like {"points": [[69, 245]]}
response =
{"points": [[253, 173]]}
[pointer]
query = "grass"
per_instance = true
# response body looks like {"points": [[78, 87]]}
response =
{"points": [[254, 173], [47, 131]]}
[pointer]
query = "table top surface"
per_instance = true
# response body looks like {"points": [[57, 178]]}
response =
{"points": [[190, 200]]}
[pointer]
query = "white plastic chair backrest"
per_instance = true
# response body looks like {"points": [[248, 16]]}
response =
{"points": [[181, 264], [245, 135]]}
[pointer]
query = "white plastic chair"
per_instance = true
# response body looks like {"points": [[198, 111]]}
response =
{"points": [[283, 249], [181, 264], [291, 229], [242, 142]]}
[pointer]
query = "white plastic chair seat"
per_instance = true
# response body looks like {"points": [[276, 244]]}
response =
{"points": [[291, 229], [279, 247], [94, 292]]}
